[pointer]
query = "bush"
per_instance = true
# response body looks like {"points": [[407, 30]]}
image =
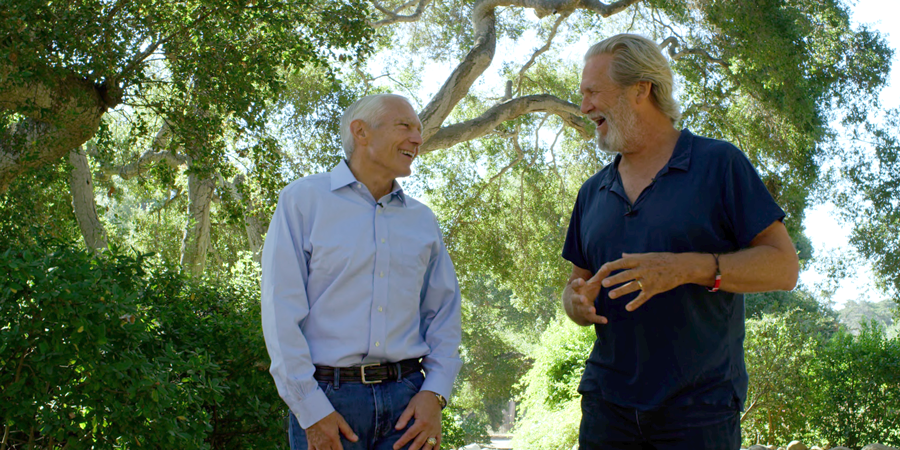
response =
{"points": [[779, 352], [100, 352], [860, 389], [551, 403], [459, 429]]}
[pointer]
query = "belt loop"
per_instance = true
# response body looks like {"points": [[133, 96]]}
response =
{"points": [[337, 378], [399, 371]]}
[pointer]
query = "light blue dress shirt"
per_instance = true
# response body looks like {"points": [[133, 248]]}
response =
{"points": [[347, 281]]}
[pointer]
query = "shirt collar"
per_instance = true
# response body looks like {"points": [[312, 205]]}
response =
{"points": [[680, 159], [341, 176]]}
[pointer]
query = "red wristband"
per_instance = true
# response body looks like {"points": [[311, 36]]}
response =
{"points": [[718, 283]]}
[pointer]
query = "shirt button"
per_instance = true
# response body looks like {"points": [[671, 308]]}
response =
{"points": [[379, 211], [377, 344], [382, 240], [381, 274], [358, 186], [380, 309]]}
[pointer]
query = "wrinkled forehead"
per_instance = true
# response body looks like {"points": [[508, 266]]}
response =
{"points": [[595, 75], [401, 111]]}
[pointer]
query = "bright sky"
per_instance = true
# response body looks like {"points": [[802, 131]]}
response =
{"points": [[822, 227]]}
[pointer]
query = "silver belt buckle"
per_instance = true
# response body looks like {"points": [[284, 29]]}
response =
{"points": [[362, 372]]}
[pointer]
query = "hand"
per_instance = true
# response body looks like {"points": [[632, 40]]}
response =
{"points": [[582, 298], [649, 273], [426, 410], [326, 433]]}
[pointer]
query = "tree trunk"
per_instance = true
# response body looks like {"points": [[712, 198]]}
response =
{"points": [[195, 245], [56, 116], [251, 221], [82, 188]]}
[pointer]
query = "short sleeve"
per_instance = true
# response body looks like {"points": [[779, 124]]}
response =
{"points": [[572, 249], [748, 204]]}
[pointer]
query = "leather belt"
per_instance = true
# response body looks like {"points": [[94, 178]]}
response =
{"points": [[369, 373]]}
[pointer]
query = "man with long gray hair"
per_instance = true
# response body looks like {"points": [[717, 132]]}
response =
{"points": [[359, 296], [663, 241]]}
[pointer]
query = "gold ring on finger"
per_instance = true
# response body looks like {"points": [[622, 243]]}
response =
{"points": [[431, 441], [641, 285]]}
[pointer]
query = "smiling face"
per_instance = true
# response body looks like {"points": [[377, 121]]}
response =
{"points": [[607, 104], [387, 148]]}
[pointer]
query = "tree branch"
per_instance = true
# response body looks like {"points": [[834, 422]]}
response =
{"points": [[129, 170], [473, 129], [480, 56], [540, 51], [672, 44], [395, 17], [520, 156]]}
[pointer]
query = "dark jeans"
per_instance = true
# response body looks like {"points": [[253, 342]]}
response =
{"points": [[608, 426]]}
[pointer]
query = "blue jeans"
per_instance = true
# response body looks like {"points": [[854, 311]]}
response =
{"points": [[606, 425], [371, 410]]}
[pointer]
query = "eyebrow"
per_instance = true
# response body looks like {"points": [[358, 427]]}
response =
{"points": [[409, 121]]}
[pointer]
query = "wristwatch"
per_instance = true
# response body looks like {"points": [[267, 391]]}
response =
{"points": [[441, 400]]}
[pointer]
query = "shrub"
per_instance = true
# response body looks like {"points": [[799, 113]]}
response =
{"points": [[860, 389], [551, 403], [100, 352]]}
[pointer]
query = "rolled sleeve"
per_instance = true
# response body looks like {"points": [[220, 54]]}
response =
{"points": [[285, 306], [441, 323]]}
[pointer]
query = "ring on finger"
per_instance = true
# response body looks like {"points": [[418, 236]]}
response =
{"points": [[431, 441], [640, 285]]}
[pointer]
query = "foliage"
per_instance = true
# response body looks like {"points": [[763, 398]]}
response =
{"points": [[778, 303], [37, 203], [99, 352], [497, 339], [859, 379], [855, 314], [865, 186], [779, 352], [222, 57], [459, 429], [551, 403]]}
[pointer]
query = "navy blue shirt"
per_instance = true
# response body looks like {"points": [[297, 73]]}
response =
{"points": [[684, 346]]}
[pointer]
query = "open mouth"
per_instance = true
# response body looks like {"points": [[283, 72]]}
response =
{"points": [[599, 121], [408, 153]]}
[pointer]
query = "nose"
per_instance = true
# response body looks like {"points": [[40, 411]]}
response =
{"points": [[585, 105], [416, 137]]}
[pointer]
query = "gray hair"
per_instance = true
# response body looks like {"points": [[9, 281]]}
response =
{"points": [[368, 109], [635, 59]]}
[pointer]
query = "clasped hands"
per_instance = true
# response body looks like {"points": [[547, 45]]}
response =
{"points": [[424, 408], [649, 273]]}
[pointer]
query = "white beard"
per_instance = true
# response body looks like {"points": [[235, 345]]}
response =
{"points": [[621, 123]]}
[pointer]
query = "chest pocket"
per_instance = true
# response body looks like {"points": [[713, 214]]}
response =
{"points": [[410, 255]]}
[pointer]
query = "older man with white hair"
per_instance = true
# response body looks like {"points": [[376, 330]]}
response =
{"points": [[359, 296], [663, 242]]}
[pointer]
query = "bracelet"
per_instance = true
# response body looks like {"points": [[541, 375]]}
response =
{"points": [[718, 283]]}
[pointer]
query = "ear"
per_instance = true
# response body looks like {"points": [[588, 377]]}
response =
{"points": [[360, 132], [642, 91]]}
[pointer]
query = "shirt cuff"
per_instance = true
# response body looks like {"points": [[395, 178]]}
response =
{"points": [[438, 383], [312, 409]]}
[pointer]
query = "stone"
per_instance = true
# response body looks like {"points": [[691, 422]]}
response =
{"points": [[758, 447], [839, 447], [878, 447], [797, 445]]}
